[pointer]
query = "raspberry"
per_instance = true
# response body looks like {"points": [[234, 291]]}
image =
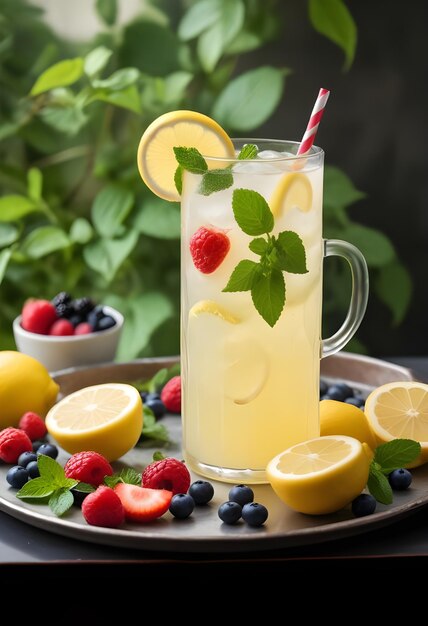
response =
{"points": [[88, 467], [62, 328], [33, 425], [170, 474], [171, 395], [83, 329], [103, 507], [208, 248], [38, 316], [13, 442]]}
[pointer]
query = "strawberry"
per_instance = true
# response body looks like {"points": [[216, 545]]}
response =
{"points": [[38, 316], [88, 467], [33, 425], [169, 473], [171, 395], [208, 248], [143, 505], [62, 328], [103, 508], [13, 442], [83, 329]]}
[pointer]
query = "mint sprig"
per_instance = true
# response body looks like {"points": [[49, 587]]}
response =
{"points": [[52, 485], [388, 457], [126, 475], [248, 151]]}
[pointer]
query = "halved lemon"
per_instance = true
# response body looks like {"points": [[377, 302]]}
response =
{"points": [[340, 418], [212, 308], [156, 159], [105, 418], [293, 190], [320, 475], [400, 410]]}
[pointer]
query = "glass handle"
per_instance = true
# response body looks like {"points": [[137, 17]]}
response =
{"points": [[359, 295]]}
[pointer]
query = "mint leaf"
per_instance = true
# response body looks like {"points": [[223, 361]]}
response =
{"points": [[36, 488], [268, 294], [379, 486], [158, 456], [60, 501], [191, 159], [52, 472], [249, 151], [154, 435], [112, 481], [252, 212], [215, 180], [396, 454], [178, 179], [292, 255], [126, 475], [242, 277], [258, 246], [84, 488]]}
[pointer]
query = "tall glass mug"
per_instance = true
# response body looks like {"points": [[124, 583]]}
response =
{"points": [[251, 390]]}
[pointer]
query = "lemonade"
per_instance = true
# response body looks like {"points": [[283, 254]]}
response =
{"points": [[250, 390]]}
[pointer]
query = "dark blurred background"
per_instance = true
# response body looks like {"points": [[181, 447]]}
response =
{"points": [[375, 130]]}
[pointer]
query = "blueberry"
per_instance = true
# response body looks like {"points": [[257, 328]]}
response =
{"points": [[106, 322], [241, 494], [83, 306], [340, 391], [143, 395], [37, 444], [33, 469], [323, 387], [182, 505], [17, 476], [326, 397], [230, 512], [157, 406], [94, 316], [201, 491], [254, 514], [153, 396], [61, 298], [79, 495], [76, 319], [356, 401], [363, 505], [400, 479], [49, 450], [26, 457]]}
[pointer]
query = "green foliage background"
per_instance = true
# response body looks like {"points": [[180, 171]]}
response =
{"points": [[74, 213]]}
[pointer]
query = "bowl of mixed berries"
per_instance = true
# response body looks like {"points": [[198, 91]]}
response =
{"points": [[68, 332]]}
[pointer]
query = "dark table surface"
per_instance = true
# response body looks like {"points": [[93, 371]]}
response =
{"points": [[23, 545]]}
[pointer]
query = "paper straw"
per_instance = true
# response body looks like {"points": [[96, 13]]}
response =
{"points": [[314, 122]]}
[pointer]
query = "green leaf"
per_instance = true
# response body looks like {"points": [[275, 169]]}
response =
{"points": [[244, 42], [175, 87], [339, 190], [375, 246], [44, 240], [154, 434], [243, 276], [158, 218], [178, 179], [191, 160], [107, 10], [379, 486], [128, 98], [8, 234], [215, 180], [119, 80], [13, 207], [110, 209], [130, 476], [35, 184], [393, 285], [332, 19], [258, 246], [96, 61], [158, 456], [252, 212], [396, 454], [200, 16], [36, 488], [69, 120], [294, 259], [60, 501], [250, 99], [81, 231], [214, 40], [209, 48], [268, 294], [4, 260], [50, 470], [84, 488], [59, 75], [105, 256], [249, 151], [153, 48]]}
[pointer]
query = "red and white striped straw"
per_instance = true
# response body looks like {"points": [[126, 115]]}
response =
{"points": [[314, 121]]}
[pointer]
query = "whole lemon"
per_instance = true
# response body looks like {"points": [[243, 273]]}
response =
{"points": [[340, 418], [25, 385]]}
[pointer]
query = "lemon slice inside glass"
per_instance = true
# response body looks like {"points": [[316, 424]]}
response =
{"points": [[212, 308], [293, 191], [156, 159]]}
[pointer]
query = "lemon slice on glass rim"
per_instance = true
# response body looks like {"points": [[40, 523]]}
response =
{"points": [[155, 157]]}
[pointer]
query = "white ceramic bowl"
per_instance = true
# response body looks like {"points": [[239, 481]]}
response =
{"points": [[57, 353]]}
